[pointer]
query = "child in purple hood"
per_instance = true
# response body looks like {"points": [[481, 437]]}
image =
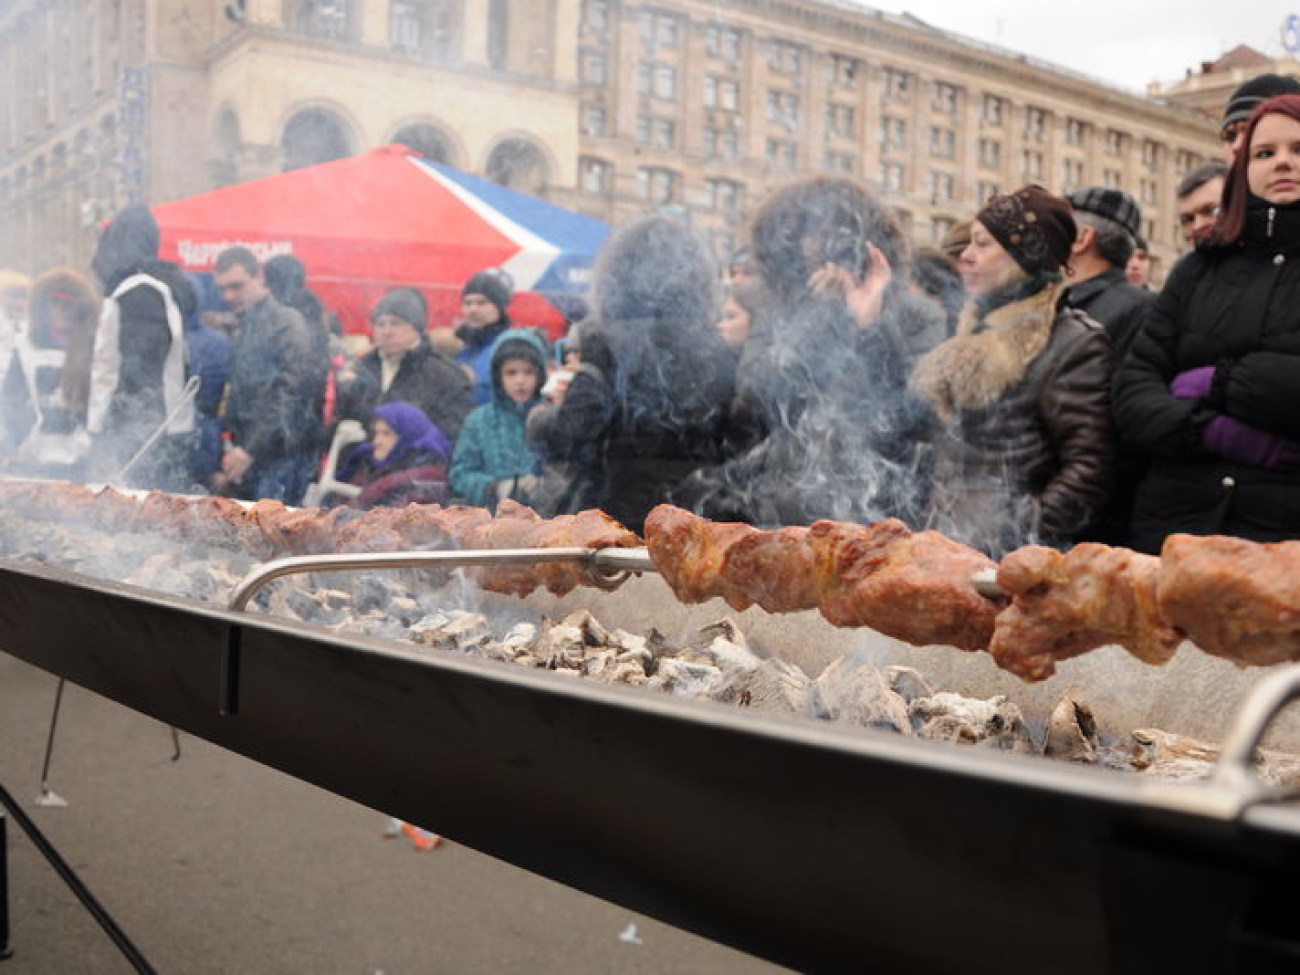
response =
{"points": [[404, 461]]}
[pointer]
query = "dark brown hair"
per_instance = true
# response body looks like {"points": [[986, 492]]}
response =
{"points": [[1236, 190]]}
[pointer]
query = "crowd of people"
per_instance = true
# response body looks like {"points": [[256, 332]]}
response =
{"points": [[1019, 383]]}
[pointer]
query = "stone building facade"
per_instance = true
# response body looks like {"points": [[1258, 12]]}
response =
{"points": [[611, 107]]}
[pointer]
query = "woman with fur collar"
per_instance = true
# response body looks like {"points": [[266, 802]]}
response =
{"points": [[1022, 389]]}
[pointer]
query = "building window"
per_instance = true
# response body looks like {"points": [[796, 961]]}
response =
{"points": [[1071, 175], [657, 186], [721, 93], [783, 108], [1148, 190], [898, 85], [324, 18], [1185, 162], [1115, 141], [722, 144], [725, 196], [943, 142], [428, 141], [836, 161], [985, 191], [993, 110], [519, 165], [595, 16], [990, 153], [1150, 154], [663, 133], [595, 121], [893, 133], [1032, 164], [658, 30], [941, 227], [1035, 125], [782, 154], [941, 186], [659, 80], [842, 72], [944, 99], [1112, 178], [314, 136], [1074, 131], [784, 57], [592, 68], [891, 177], [841, 121], [723, 43], [594, 175]]}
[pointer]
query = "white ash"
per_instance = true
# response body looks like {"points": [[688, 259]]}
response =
{"points": [[994, 723]]}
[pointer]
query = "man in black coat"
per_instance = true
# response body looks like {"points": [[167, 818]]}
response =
{"points": [[404, 367], [1109, 224], [277, 388]]}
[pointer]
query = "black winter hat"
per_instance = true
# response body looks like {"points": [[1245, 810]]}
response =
{"points": [[404, 303], [1035, 227], [1255, 92], [1110, 203], [493, 284]]}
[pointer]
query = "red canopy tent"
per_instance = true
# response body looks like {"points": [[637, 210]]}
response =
{"points": [[390, 218]]}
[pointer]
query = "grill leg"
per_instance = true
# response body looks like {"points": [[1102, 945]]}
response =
{"points": [[49, 797], [5, 950]]}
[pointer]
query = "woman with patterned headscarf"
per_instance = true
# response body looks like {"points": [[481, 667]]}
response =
{"points": [[1022, 390]]}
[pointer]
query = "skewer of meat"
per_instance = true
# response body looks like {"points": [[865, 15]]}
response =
{"points": [[915, 587]]}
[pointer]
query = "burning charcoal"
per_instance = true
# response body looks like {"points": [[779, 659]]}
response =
{"points": [[405, 609], [686, 679], [626, 671], [772, 685], [561, 645], [521, 637], [335, 598], [593, 634], [725, 648], [598, 663], [725, 629], [1072, 732], [967, 720], [1167, 755], [857, 693], [907, 682]]}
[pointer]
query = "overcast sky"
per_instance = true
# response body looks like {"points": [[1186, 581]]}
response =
{"points": [[1124, 42]]}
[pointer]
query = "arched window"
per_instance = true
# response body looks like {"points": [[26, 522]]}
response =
{"points": [[520, 165], [428, 141], [314, 136]]}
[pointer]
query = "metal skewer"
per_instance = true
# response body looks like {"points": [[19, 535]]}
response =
{"points": [[191, 390]]}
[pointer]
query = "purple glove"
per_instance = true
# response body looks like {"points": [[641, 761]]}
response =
{"points": [[1245, 444], [1193, 384]]}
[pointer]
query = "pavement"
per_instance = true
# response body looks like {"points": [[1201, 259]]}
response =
{"points": [[215, 864]]}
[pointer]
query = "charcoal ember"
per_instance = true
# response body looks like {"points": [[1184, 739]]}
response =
{"points": [[212, 581], [907, 682], [685, 679], [994, 723], [156, 571], [335, 598], [598, 662], [405, 609], [626, 671], [562, 646], [857, 693], [520, 637], [722, 645], [1072, 732], [1171, 756], [371, 592], [772, 685], [452, 630]]}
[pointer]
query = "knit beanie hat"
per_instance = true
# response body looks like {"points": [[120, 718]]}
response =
{"points": [[1255, 92], [1033, 226], [1111, 204], [493, 284], [404, 303]]}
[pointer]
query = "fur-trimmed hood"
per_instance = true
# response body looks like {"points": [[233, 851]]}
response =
{"points": [[988, 354]]}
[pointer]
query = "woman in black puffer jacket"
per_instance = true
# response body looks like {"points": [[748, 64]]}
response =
{"points": [[1211, 388], [648, 404]]}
